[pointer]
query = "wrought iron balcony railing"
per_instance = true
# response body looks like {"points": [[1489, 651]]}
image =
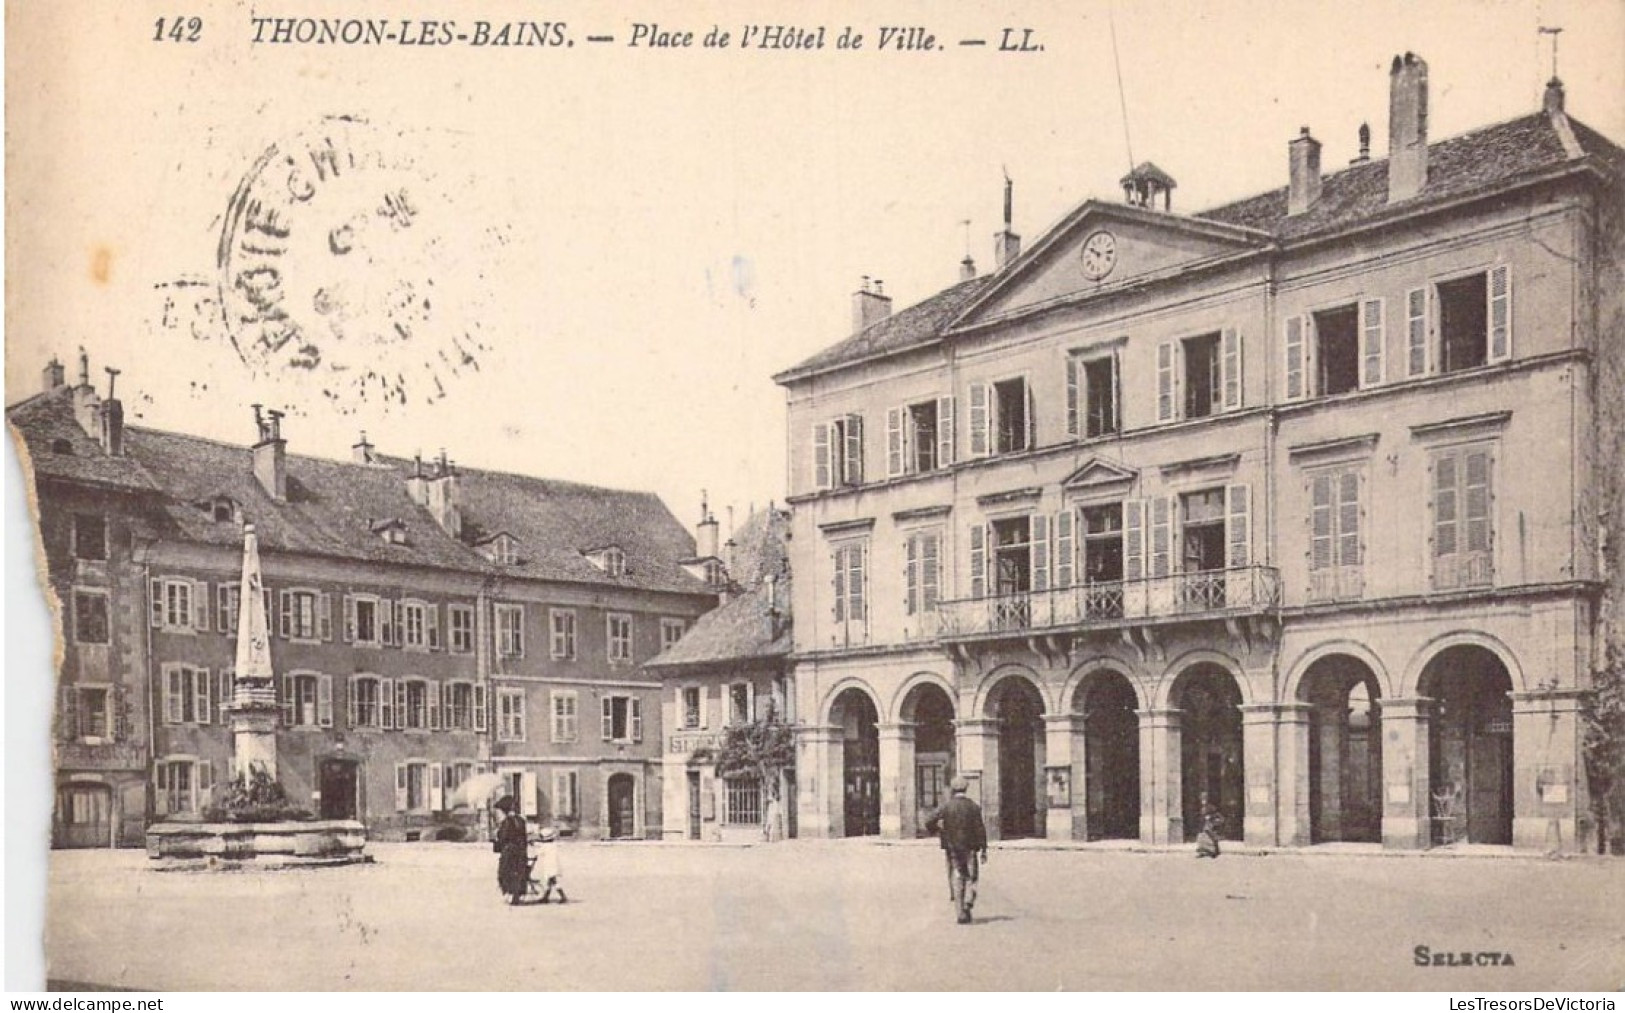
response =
{"points": [[1210, 593]]}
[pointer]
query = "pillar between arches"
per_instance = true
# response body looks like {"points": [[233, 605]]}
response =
{"points": [[1292, 774], [1063, 777], [897, 806], [1549, 791], [1260, 750], [1162, 821], [977, 747], [819, 781], [1406, 804]]}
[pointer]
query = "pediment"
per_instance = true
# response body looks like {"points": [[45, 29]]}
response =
{"points": [[1145, 245], [1097, 473]]}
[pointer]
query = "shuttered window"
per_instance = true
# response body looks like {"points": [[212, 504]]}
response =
{"points": [[1462, 533], [849, 582], [1371, 342], [1297, 368], [922, 572], [1335, 549]]}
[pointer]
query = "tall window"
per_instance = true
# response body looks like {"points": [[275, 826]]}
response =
{"points": [[1337, 349], [1091, 395], [511, 715], [1103, 543], [89, 536], [564, 715], [1202, 526], [414, 625], [1462, 532], [301, 703], [562, 624], [671, 631], [187, 696], [305, 615], [619, 629], [919, 437], [740, 697], [1467, 322], [1201, 375], [622, 718], [742, 798], [367, 702], [366, 624], [90, 713], [1012, 416], [1334, 536], [460, 620], [173, 608], [182, 785], [692, 707], [90, 617], [850, 563], [417, 704], [566, 794], [922, 571], [510, 620], [1202, 379], [459, 697], [1012, 556]]}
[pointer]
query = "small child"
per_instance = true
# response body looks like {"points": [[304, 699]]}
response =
{"points": [[547, 865], [1207, 840]]}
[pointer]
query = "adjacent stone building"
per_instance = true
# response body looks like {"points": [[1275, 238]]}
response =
{"points": [[1301, 504], [428, 622]]}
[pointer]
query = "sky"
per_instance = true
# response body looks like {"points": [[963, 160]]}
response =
{"points": [[624, 244]]}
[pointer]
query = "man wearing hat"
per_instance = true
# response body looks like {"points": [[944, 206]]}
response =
{"points": [[964, 839]]}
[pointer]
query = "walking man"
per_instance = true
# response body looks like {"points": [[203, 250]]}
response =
{"points": [[964, 840]]}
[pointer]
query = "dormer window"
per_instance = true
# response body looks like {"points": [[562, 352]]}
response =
{"points": [[716, 574], [611, 559], [60, 446], [505, 551], [392, 530], [223, 509]]}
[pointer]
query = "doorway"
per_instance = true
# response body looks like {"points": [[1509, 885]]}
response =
{"points": [[622, 807], [1209, 702], [1111, 756], [85, 816], [1019, 711], [855, 713], [693, 805], [337, 779], [1470, 746]]}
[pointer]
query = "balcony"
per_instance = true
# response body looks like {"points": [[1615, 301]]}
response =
{"points": [[1211, 594]]}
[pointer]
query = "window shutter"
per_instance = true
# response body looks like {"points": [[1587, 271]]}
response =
{"points": [[1161, 538], [1074, 398], [354, 712], [852, 471], [479, 708], [1350, 578], [857, 557], [1134, 539], [285, 696], [1166, 402], [1321, 519], [911, 575], [607, 718], [385, 622], [821, 456], [160, 786], [1476, 493], [399, 610], [1371, 342], [1294, 358], [705, 708], [118, 702], [1039, 551], [67, 713], [978, 420], [400, 703], [527, 792], [200, 606], [894, 442], [930, 571], [1063, 549], [1032, 416], [155, 587], [978, 561], [1416, 332], [202, 695], [1500, 314], [349, 619], [173, 710], [400, 787], [839, 601], [285, 613], [324, 616], [637, 720], [1117, 392], [945, 431], [222, 608], [433, 694], [1238, 526], [386, 703], [431, 619], [1230, 364], [437, 789], [205, 784]]}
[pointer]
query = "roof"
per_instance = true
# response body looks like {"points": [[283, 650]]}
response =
{"points": [[1460, 167], [332, 507], [755, 625]]}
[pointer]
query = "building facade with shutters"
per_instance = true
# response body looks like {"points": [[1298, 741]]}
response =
{"points": [[1299, 505], [428, 622]]}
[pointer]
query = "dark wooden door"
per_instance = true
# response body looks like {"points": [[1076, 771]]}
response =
{"points": [[622, 817], [338, 786], [693, 805], [85, 817]]}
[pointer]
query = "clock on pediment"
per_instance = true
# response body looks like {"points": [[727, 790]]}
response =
{"points": [[1099, 254]]}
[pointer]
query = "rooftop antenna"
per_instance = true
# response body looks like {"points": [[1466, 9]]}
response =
{"points": [[1554, 33], [1122, 98]]}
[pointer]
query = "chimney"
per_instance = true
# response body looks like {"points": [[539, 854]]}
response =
{"points": [[1407, 127], [271, 454], [1303, 152], [1553, 101], [870, 303], [361, 450], [705, 532], [967, 268], [54, 375], [438, 493], [87, 405], [1365, 146], [112, 418], [1006, 244]]}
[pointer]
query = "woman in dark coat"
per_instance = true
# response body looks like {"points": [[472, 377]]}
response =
{"points": [[1207, 840], [513, 868]]}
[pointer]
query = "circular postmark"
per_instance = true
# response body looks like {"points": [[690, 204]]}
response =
{"points": [[347, 254]]}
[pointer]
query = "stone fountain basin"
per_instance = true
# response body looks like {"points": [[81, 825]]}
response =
{"points": [[303, 842]]}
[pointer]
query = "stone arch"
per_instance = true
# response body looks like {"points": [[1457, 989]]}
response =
{"points": [[1341, 693], [855, 757], [1471, 746], [1307, 659], [991, 681], [826, 710], [1106, 750], [1438, 645], [1094, 666], [1162, 692], [1014, 705], [899, 700]]}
